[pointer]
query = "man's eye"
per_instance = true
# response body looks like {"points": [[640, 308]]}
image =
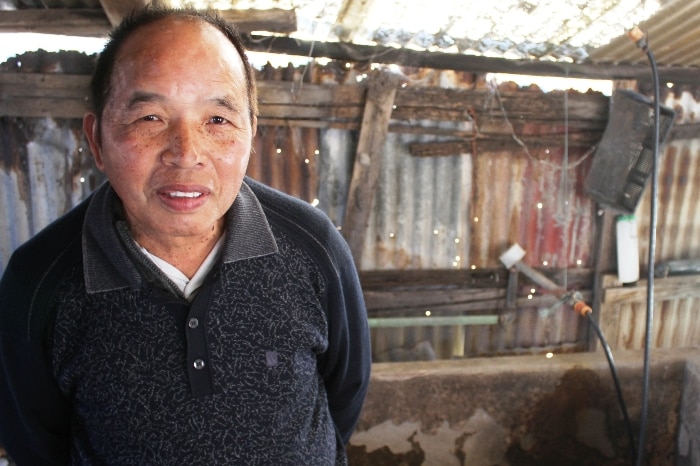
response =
{"points": [[217, 120], [149, 118]]}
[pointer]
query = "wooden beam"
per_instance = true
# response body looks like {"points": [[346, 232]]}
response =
{"points": [[116, 10], [462, 62], [497, 142], [44, 95], [94, 22], [381, 91], [402, 292], [607, 317], [341, 106], [378, 280], [678, 287], [64, 21]]}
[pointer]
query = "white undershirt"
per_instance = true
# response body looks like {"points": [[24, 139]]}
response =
{"points": [[187, 285]]}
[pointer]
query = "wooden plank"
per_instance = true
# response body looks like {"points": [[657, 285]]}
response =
{"points": [[44, 85], [308, 112], [496, 143], [435, 279], [284, 92], [375, 125], [341, 106], [392, 292], [679, 287], [607, 317], [65, 21], [422, 298], [455, 278], [531, 104], [436, 149], [44, 95], [94, 22], [684, 131], [447, 104], [346, 101], [293, 123], [496, 304], [44, 107]]}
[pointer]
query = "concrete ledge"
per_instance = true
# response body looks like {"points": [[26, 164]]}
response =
{"points": [[529, 410]]}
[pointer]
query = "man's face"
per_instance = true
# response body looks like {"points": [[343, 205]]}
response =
{"points": [[175, 134]]}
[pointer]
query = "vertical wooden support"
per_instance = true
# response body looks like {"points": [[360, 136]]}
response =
{"points": [[604, 264], [381, 90]]}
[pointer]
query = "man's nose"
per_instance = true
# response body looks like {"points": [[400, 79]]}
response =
{"points": [[184, 145]]}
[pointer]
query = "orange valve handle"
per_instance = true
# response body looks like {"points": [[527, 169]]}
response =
{"points": [[582, 308]]}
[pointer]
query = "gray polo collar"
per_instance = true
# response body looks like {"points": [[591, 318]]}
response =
{"points": [[108, 256]]}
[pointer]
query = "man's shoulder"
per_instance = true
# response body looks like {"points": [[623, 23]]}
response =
{"points": [[307, 225], [296, 213], [37, 265], [43, 248]]}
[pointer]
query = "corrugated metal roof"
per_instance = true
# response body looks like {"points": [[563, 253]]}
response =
{"points": [[672, 33], [570, 31]]}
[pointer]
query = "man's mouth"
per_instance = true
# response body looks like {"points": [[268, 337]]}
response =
{"points": [[184, 194]]}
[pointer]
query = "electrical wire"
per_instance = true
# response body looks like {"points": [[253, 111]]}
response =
{"points": [[650, 262], [616, 380], [640, 40], [585, 310]]}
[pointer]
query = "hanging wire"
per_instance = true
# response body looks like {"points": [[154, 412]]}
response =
{"points": [[296, 90], [641, 42], [563, 216], [616, 381], [585, 310], [564, 191], [495, 94]]}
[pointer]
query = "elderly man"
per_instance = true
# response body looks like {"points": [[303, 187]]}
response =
{"points": [[183, 314]]}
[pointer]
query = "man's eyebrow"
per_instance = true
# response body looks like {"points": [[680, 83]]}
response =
{"points": [[140, 97], [225, 102]]}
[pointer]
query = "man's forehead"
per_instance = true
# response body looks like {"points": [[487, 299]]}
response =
{"points": [[164, 33], [161, 42]]}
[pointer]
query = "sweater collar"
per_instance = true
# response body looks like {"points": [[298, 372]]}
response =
{"points": [[107, 254]]}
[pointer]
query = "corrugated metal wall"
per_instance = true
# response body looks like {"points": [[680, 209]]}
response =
{"points": [[460, 211], [463, 212], [46, 168]]}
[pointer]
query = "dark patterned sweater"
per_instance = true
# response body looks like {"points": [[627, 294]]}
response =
{"points": [[104, 362]]}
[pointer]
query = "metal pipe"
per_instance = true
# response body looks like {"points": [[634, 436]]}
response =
{"points": [[377, 322]]}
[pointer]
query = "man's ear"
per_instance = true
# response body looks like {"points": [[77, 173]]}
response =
{"points": [[91, 128]]}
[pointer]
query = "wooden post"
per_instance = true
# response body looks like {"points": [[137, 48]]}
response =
{"points": [[606, 316], [381, 91]]}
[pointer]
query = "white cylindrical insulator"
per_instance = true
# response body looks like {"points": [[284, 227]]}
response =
{"points": [[627, 249]]}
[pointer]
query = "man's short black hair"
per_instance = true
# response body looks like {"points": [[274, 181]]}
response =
{"points": [[101, 83]]}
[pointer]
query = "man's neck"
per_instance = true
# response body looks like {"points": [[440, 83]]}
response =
{"points": [[186, 254]]}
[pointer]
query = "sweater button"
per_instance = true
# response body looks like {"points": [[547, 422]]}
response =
{"points": [[193, 323], [198, 364]]}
